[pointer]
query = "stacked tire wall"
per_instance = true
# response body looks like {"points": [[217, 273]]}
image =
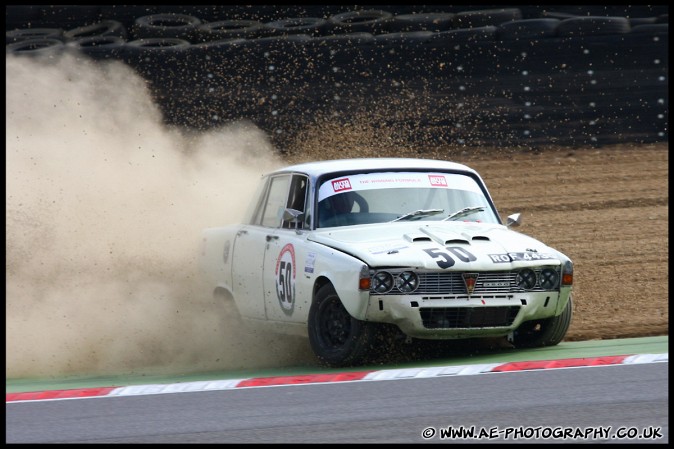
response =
{"points": [[497, 76]]}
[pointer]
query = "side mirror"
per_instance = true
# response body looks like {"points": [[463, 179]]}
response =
{"points": [[514, 220], [293, 216]]}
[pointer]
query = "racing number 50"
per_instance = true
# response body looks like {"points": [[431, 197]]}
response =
{"points": [[285, 272], [446, 261]]}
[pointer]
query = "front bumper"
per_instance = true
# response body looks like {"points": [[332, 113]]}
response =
{"points": [[464, 316]]}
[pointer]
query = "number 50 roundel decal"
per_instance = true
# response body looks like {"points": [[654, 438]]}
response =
{"points": [[285, 279]]}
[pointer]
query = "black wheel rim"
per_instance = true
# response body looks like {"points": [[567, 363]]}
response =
{"points": [[334, 324]]}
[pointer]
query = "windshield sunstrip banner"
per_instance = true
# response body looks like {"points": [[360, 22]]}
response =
{"points": [[392, 180]]}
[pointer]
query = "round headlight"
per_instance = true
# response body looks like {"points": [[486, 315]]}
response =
{"points": [[526, 279], [407, 281], [382, 282], [549, 279]]}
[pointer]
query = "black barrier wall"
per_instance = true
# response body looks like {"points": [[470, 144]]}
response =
{"points": [[487, 75]]}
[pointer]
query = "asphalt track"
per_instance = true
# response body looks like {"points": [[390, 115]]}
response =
{"points": [[605, 391]]}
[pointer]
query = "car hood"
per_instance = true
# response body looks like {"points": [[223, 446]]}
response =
{"points": [[464, 245]]}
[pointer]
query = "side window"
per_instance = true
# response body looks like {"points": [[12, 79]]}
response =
{"points": [[297, 198], [256, 208], [275, 203]]}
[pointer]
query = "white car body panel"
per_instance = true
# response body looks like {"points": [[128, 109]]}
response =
{"points": [[402, 244]]}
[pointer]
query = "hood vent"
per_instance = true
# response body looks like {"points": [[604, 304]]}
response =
{"points": [[457, 242], [417, 238], [421, 239], [484, 238]]}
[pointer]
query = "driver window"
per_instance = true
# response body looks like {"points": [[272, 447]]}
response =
{"points": [[297, 199]]}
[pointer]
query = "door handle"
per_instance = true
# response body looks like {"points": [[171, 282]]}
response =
{"points": [[241, 232], [272, 237]]}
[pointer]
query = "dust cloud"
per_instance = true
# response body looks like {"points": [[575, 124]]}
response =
{"points": [[104, 210]]}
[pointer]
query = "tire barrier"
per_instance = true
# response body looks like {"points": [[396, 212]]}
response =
{"points": [[258, 76], [373, 21], [636, 21], [214, 65], [422, 22], [573, 110], [161, 61], [227, 65], [340, 58], [38, 48], [528, 29], [566, 11], [178, 26], [402, 53], [402, 37], [311, 26], [104, 28], [511, 76], [592, 26], [558, 15], [98, 47], [230, 29], [24, 34], [213, 90], [462, 36], [157, 44], [459, 52], [486, 17], [277, 60], [656, 28]]}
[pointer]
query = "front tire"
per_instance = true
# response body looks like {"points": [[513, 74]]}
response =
{"points": [[547, 332], [336, 338]]}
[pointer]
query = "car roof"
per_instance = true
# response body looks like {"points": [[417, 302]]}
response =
{"points": [[319, 168]]}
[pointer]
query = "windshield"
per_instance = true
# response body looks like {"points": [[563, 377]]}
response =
{"points": [[401, 196]]}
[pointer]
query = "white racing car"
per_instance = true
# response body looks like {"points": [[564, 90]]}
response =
{"points": [[346, 251]]}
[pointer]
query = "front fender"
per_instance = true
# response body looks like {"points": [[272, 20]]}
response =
{"points": [[343, 271]]}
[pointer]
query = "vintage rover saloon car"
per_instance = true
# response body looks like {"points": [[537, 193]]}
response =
{"points": [[340, 250]]}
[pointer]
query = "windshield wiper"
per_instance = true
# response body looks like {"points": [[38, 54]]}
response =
{"points": [[464, 212], [419, 213]]}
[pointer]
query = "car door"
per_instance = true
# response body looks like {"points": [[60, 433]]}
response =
{"points": [[250, 247], [286, 259]]}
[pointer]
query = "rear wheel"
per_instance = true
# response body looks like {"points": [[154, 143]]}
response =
{"points": [[547, 332], [336, 338]]}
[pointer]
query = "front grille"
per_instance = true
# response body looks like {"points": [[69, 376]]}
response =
{"points": [[467, 317], [452, 283]]}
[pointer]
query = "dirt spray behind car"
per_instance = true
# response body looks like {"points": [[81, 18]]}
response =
{"points": [[104, 210]]}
